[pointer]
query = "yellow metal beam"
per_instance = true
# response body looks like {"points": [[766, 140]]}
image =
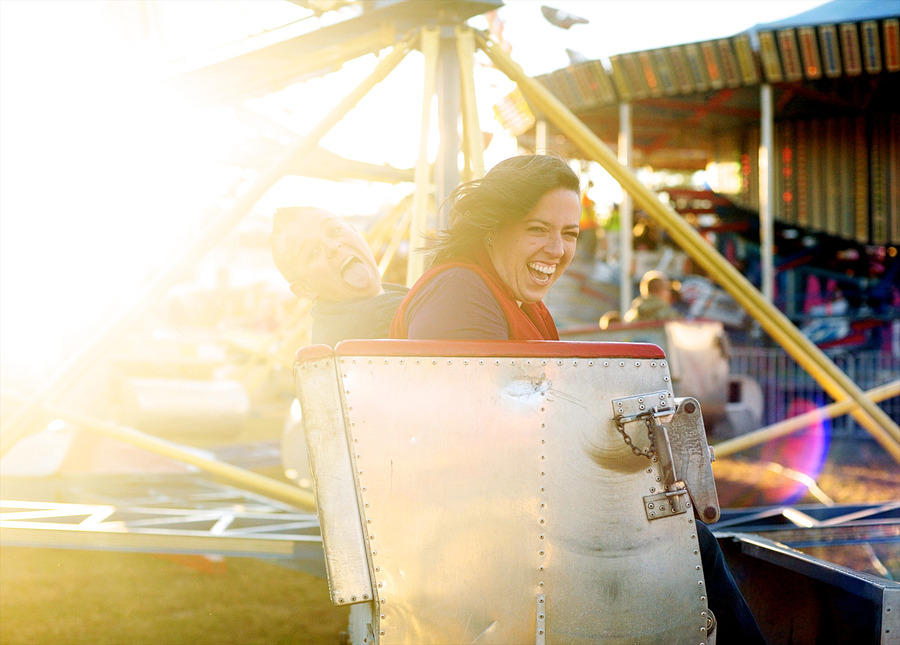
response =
{"points": [[228, 473], [382, 230], [401, 230], [473, 139], [430, 46], [236, 73], [776, 324], [802, 421]]}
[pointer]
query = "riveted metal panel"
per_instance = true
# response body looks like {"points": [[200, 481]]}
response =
{"points": [[336, 490], [488, 483], [890, 616]]}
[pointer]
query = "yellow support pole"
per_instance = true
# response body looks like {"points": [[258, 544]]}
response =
{"points": [[430, 45], [474, 141], [801, 421], [810, 357], [18, 424], [382, 230], [239, 477], [401, 230]]}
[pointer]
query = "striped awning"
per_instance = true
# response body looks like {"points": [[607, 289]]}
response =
{"points": [[775, 55]]}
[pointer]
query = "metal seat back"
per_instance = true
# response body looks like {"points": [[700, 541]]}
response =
{"points": [[487, 492]]}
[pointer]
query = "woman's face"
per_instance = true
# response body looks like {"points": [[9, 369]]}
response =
{"points": [[531, 254]]}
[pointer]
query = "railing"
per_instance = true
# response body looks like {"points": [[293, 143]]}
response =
{"points": [[788, 390]]}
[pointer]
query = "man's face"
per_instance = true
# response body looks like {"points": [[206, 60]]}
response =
{"points": [[333, 260]]}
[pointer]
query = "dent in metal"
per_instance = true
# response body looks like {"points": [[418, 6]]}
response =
{"points": [[527, 386]]}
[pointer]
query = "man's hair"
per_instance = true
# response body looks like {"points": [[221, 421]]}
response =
{"points": [[285, 259], [507, 193], [654, 283]]}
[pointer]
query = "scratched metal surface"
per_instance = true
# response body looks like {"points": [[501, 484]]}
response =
{"points": [[487, 482], [331, 466]]}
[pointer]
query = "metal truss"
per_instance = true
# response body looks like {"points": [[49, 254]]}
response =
{"points": [[808, 525], [214, 531]]}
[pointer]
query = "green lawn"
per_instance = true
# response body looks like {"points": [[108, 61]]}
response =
{"points": [[70, 597]]}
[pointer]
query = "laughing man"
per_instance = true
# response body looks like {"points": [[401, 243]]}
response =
{"points": [[326, 260]]}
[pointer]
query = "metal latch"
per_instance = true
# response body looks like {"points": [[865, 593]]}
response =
{"points": [[645, 407], [667, 503]]}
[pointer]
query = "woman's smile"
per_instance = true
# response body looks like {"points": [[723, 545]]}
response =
{"points": [[541, 272], [529, 255]]}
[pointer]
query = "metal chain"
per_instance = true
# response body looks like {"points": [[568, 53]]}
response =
{"points": [[646, 452]]}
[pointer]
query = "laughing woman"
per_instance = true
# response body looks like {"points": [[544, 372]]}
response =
{"points": [[511, 235]]}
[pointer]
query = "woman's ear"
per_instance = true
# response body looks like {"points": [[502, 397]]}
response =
{"points": [[301, 291], [488, 239]]}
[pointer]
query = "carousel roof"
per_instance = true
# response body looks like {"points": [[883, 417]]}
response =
{"points": [[836, 59]]}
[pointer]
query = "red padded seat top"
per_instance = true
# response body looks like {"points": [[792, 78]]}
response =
{"points": [[484, 348]]}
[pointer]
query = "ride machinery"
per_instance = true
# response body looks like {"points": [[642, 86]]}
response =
{"points": [[489, 492]]}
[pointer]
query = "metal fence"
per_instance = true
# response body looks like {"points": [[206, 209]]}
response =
{"points": [[788, 390]]}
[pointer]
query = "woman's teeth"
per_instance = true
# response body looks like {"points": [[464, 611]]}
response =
{"points": [[542, 268], [542, 272]]}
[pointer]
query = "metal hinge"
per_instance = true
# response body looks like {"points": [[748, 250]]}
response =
{"points": [[667, 503]]}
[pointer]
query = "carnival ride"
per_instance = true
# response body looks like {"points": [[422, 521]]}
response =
{"points": [[848, 602]]}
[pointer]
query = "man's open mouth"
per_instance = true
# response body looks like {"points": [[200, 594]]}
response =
{"points": [[354, 273]]}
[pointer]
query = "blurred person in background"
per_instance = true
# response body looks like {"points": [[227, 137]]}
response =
{"points": [[587, 225], [610, 318], [655, 301]]}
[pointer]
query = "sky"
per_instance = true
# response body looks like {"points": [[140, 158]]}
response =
{"points": [[618, 27], [105, 172]]}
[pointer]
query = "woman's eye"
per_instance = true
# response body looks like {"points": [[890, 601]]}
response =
{"points": [[313, 254]]}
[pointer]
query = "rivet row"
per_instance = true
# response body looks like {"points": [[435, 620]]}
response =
{"points": [[480, 362]]}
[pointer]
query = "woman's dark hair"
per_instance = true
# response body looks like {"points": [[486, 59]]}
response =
{"points": [[507, 193]]}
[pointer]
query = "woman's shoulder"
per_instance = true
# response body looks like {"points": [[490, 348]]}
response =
{"points": [[455, 285], [458, 275], [456, 303]]}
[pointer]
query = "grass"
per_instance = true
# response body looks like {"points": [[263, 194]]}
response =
{"points": [[72, 597], [69, 597]]}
